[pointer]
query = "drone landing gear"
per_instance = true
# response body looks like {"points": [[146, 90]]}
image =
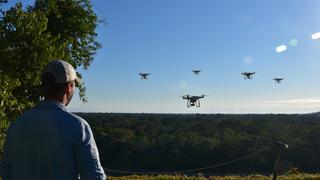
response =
{"points": [[196, 104]]}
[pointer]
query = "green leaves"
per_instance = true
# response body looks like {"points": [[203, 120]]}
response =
{"points": [[36, 35]]}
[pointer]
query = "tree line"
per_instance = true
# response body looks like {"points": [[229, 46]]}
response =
{"points": [[165, 142]]}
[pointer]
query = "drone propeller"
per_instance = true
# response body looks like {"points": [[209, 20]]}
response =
{"points": [[185, 96]]}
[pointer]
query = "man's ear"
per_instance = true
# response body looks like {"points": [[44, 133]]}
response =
{"points": [[69, 87]]}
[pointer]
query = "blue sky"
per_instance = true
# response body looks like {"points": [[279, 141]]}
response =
{"points": [[169, 38]]}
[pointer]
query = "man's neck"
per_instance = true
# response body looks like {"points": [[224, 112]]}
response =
{"points": [[60, 99]]}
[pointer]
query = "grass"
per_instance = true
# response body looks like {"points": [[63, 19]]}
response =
{"points": [[301, 176]]}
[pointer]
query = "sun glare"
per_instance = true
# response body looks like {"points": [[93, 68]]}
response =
{"points": [[293, 42], [315, 36], [281, 48]]}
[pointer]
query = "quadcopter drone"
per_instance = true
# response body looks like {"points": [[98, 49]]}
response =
{"points": [[196, 71], [144, 75], [248, 75], [193, 100], [278, 80]]}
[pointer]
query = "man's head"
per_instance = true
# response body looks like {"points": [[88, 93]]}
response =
{"points": [[58, 81]]}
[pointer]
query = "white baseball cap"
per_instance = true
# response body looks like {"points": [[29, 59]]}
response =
{"points": [[62, 71]]}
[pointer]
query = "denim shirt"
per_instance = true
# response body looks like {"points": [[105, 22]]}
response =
{"points": [[50, 143]]}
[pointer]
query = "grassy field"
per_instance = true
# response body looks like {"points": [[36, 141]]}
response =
{"points": [[301, 176]]}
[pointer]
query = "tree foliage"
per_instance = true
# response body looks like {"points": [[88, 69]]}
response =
{"points": [[33, 36], [167, 142]]}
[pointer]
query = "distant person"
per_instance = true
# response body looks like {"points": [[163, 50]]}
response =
{"points": [[48, 142]]}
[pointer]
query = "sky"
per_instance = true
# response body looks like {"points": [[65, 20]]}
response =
{"points": [[223, 38]]}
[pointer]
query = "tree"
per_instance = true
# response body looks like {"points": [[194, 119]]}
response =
{"points": [[33, 36]]}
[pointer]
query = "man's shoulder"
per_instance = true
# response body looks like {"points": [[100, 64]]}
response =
{"points": [[58, 113], [76, 118]]}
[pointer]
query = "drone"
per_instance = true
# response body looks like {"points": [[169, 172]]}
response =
{"points": [[278, 80], [248, 75], [196, 71], [144, 75], [193, 100]]}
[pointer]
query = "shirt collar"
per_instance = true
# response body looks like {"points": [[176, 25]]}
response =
{"points": [[51, 104]]}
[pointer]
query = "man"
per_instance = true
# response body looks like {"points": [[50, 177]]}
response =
{"points": [[48, 142]]}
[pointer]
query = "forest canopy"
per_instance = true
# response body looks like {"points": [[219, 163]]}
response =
{"points": [[165, 142]]}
